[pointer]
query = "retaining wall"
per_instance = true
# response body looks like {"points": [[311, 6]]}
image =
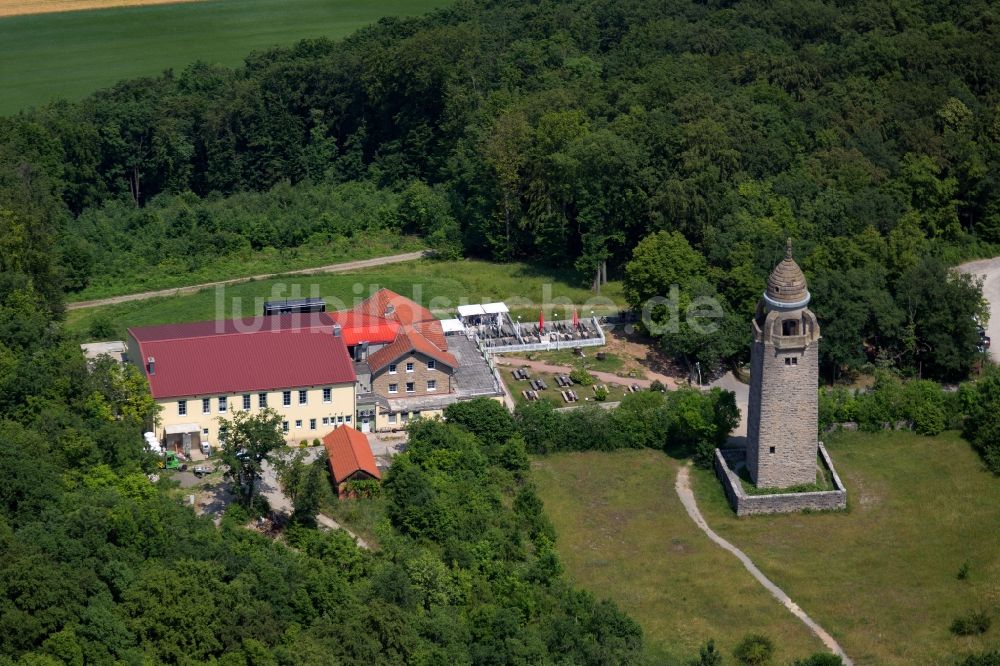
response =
{"points": [[747, 505]]}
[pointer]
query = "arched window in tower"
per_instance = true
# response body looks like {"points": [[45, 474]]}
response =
{"points": [[790, 327]]}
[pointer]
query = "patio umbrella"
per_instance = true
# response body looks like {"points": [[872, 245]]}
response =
{"points": [[541, 321], [576, 319]]}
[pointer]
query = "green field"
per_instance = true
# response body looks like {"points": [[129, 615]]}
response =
{"points": [[439, 285], [623, 534], [881, 577], [68, 55]]}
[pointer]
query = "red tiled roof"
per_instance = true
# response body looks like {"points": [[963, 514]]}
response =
{"points": [[227, 363], [432, 331], [349, 452], [390, 305], [357, 327], [407, 341]]}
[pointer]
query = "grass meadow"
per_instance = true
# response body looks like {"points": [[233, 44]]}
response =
{"points": [[439, 285], [623, 534], [71, 54], [881, 577]]}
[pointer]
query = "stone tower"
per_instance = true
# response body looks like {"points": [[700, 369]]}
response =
{"points": [[784, 373]]}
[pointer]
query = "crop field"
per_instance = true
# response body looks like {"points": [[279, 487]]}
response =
{"points": [[69, 54], [882, 577], [439, 285]]}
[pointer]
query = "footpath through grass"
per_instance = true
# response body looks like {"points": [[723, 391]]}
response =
{"points": [[882, 577], [439, 285], [71, 54], [623, 535]]}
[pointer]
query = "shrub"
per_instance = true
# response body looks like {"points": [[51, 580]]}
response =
{"points": [[582, 377], [973, 624], [363, 488], [982, 659], [708, 655], [819, 659], [316, 442], [754, 650], [657, 385], [963, 571], [601, 394], [303, 444]]}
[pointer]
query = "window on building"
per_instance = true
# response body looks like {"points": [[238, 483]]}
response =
{"points": [[223, 404], [326, 420], [432, 385], [409, 387], [340, 419], [204, 431], [771, 449], [303, 396], [284, 427], [790, 327], [791, 360], [327, 394], [430, 364], [262, 400], [392, 368], [415, 415], [409, 367], [246, 402], [222, 435], [182, 407], [393, 388], [404, 417], [392, 418], [286, 398], [206, 406], [312, 424], [347, 418], [298, 423]]}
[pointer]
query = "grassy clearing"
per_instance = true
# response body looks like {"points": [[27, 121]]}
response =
{"points": [[438, 285], [612, 363], [623, 534], [268, 260], [882, 577], [68, 55]]}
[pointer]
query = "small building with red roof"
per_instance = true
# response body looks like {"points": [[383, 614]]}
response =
{"points": [[350, 457]]}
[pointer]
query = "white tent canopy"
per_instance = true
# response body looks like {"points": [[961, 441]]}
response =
{"points": [[470, 310], [452, 326], [495, 308]]}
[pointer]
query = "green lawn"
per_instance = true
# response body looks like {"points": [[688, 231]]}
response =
{"points": [[269, 260], [882, 576], [71, 54], [623, 534], [610, 363], [439, 285]]}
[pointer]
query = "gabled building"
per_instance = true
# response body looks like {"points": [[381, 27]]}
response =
{"points": [[201, 371], [350, 457]]}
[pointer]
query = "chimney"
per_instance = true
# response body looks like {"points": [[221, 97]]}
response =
{"points": [[336, 330], [151, 365]]}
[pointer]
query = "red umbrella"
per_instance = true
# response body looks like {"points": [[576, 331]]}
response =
{"points": [[576, 319], [541, 321]]}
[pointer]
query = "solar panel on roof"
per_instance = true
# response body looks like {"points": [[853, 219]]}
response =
{"points": [[294, 305]]}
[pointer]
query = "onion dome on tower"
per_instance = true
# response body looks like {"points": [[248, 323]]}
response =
{"points": [[786, 286]]}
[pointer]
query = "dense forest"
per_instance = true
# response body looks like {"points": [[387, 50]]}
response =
{"points": [[678, 141], [565, 132]]}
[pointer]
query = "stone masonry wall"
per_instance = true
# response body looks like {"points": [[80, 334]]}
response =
{"points": [[441, 373], [745, 505], [788, 416]]}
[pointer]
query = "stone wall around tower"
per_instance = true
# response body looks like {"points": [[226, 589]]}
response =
{"points": [[747, 505]]}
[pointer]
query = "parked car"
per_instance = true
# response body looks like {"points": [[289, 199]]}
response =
{"points": [[202, 470]]}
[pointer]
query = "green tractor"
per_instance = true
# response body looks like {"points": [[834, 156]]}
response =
{"points": [[171, 461]]}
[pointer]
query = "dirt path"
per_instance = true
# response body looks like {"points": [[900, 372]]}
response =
{"points": [[989, 270], [179, 291], [683, 487], [23, 7]]}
